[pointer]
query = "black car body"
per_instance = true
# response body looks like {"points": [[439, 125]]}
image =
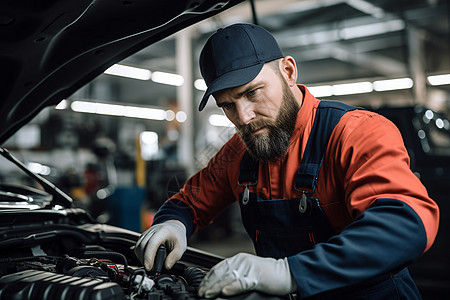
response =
{"points": [[426, 134]]}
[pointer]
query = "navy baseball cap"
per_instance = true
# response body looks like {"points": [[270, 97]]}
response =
{"points": [[234, 56]]}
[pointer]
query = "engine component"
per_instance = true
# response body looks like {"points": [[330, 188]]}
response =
{"points": [[159, 259], [34, 284], [193, 277]]}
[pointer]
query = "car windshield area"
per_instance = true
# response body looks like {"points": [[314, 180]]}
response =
{"points": [[433, 129]]}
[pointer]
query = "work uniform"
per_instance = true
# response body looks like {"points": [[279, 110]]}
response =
{"points": [[379, 213]]}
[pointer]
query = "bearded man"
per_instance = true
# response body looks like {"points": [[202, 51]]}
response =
{"points": [[325, 189]]}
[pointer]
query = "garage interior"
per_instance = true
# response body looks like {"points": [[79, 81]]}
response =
{"points": [[139, 135]]}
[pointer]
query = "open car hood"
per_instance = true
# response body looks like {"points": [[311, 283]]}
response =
{"points": [[49, 248], [49, 49]]}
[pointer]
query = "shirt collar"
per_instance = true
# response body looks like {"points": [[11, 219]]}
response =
{"points": [[305, 115]]}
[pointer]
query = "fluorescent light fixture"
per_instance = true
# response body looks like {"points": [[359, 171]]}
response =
{"points": [[200, 84], [149, 144], [181, 116], [149, 137], [129, 72], [372, 29], [366, 7], [220, 121], [167, 78], [170, 115], [119, 110], [321, 91], [62, 105], [439, 79], [109, 109], [85, 107], [393, 84], [352, 88], [38, 168], [144, 113]]}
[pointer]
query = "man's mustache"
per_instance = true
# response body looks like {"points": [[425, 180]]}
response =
{"points": [[254, 126]]}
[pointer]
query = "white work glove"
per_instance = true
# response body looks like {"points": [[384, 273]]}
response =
{"points": [[245, 272], [171, 233]]}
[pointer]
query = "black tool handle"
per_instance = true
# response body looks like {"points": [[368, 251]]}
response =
{"points": [[159, 259]]}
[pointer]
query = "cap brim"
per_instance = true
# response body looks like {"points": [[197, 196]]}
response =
{"points": [[229, 80]]}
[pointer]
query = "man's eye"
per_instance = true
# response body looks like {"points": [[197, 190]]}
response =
{"points": [[251, 93], [227, 105]]}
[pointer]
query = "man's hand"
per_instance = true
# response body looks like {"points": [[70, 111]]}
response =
{"points": [[245, 272], [171, 233]]}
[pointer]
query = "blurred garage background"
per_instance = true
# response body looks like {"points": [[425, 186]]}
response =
{"points": [[124, 143]]}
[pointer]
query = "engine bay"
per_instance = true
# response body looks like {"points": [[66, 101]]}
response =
{"points": [[62, 254], [99, 277]]}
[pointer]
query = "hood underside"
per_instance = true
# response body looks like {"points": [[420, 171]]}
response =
{"points": [[49, 49]]}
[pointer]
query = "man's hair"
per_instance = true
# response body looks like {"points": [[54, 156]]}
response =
{"points": [[275, 66]]}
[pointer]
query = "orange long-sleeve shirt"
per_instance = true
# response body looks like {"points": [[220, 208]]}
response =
{"points": [[365, 160]]}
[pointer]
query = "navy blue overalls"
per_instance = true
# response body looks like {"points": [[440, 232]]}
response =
{"points": [[284, 227]]}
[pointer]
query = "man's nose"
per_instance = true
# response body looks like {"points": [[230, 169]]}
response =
{"points": [[246, 112]]}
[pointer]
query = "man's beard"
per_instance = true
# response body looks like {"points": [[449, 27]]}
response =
{"points": [[274, 143]]}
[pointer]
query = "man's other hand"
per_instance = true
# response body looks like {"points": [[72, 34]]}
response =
{"points": [[245, 272]]}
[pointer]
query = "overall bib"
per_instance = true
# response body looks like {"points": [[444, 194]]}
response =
{"points": [[284, 227]]}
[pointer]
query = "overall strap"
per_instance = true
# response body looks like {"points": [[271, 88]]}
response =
{"points": [[248, 170], [327, 116]]}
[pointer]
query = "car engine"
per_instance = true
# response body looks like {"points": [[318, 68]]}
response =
{"points": [[100, 277]]}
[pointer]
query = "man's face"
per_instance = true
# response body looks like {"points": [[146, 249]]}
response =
{"points": [[264, 111]]}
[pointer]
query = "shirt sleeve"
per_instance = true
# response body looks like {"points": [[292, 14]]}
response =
{"points": [[208, 192], [394, 219], [376, 165]]}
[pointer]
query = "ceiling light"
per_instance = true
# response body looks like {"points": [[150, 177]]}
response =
{"points": [[181, 116], [167, 78], [321, 91], [149, 137], [367, 8], [170, 115], [38, 168], [119, 110], [200, 84], [62, 105], [439, 79], [149, 144], [393, 84], [82, 106], [109, 109], [372, 29], [352, 88], [129, 72], [144, 113], [220, 121]]}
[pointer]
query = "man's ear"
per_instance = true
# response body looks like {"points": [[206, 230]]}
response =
{"points": [[288, 68]]}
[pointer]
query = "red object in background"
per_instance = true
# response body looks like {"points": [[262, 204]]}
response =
{"points": [[92, 179]]}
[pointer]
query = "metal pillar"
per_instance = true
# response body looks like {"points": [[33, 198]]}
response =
{"points": [[183, 41], [417, 63]]}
